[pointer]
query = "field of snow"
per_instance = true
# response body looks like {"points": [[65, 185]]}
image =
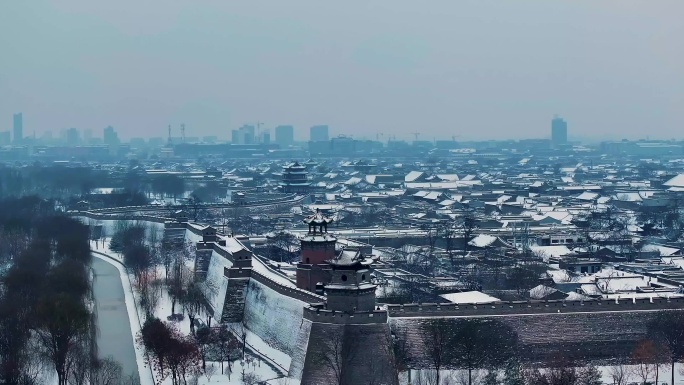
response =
{"points": [[460, 376]]}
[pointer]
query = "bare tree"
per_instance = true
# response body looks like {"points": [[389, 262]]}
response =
{"points": [[620, 374], [63, 323], [647, 358], [106, 371], [209, 371], [667, 328], [437, 345], [335, 352], [240, 331]]}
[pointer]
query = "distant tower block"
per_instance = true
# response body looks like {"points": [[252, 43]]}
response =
{"points": [[317, 247], [350, 288]]}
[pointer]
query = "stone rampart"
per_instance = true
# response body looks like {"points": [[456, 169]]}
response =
{"points": [[363, 351], [601, 337], [275, 202], [343, 318], [534, 307], [119, 216]]}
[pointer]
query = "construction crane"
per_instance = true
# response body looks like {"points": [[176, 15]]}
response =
{"points": [[169, 134], [377, 136], [453, 137], [416, 134], [183, 132]]}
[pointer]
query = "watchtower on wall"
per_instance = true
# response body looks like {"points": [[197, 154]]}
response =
{"points": [[317, 247], [350, 288]]}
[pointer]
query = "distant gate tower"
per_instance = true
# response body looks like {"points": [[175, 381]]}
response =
{"points": [[295, 179], [317, 248]]}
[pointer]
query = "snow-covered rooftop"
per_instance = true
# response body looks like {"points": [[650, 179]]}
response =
{"points": [[469, 297]]}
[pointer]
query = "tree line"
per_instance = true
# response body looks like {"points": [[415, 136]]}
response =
{"points": [[46, 301], [162, 264], [491, 350]]}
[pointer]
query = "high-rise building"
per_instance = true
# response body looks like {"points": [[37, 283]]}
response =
{"points": [[110, 136], [284, 135], [18, 128], [243, 135], [73, 137], [559, 131], [88, 136], [319, 133], [5, 138]]}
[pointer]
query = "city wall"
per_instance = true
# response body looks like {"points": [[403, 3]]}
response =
{"points": [[344, 318], [533, 307], [600, 337], [595, 330]]}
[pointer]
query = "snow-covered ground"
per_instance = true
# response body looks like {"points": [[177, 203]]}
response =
{"points": [[458, 376]]}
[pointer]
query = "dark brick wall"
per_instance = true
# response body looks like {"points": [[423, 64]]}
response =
{"points": [[202, 259], [368, 355], [234, 304], [599, 336]]}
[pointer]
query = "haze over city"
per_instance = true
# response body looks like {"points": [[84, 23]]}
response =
{"points": [[481, 70]]}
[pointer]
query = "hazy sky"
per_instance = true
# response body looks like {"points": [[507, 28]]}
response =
{"points": [[479, 69]]}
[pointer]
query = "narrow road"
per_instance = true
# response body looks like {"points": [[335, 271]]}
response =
{"points": [[114, 331]]}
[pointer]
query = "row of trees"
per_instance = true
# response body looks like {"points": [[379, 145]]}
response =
{"points": [[46, 318], [169, 351], [144, 255], [173, 354], [474, 345]]}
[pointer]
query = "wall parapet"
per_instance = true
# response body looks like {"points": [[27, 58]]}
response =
{"points": [[237, 272], [534, 307], [314, 314], [293, 292], [288, 200], [119, 216]]}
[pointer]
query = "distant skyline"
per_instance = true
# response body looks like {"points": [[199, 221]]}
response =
{"points": [[477, 69]]}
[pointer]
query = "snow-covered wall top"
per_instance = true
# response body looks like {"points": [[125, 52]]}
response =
{"points": [[192, 237]]}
